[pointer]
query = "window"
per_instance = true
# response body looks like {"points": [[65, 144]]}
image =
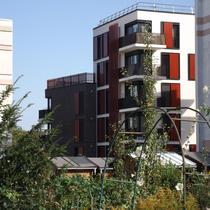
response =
{"points": [[170, 65], [133, 90], [172, 34], [49, 103], [102, 73], [170, 128], [101, 46], [137, 26], [134, 63], [134, 123], [170, 95], [101, 101], [175, 34]]}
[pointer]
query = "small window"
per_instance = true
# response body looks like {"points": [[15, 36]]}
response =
{"points": [[49, 103], [175, 33]]}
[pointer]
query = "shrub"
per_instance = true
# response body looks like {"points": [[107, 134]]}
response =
{"points": [[166, 199]]}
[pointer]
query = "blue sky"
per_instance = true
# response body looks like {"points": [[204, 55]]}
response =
{"points": [[53, 38]]}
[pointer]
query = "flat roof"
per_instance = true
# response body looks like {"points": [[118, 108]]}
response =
{"points": [[145, 6]]}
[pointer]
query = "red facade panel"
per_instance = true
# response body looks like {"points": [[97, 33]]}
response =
{"points": [[113, 73], [175, 95], [76, 103], [101, 129], [168, 31], [191, 66], [76, 129], [174, 66]]}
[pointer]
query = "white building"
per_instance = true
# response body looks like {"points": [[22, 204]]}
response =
{"points": [[118, 43], [6, 54], [203, 64]]}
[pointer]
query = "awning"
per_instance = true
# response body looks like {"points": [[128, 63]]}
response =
{"points": [[171, 158]]}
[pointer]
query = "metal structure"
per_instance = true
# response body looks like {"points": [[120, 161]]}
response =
{"points": [[167, 113], [150, 7]]}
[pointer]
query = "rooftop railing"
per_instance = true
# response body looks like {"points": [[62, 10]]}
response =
{"points": [[150, 7], [70, 80]]}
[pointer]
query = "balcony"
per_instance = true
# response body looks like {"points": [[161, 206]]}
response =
{"points": [[127, 102], [136, 72], [136, 41], [132, 72], [43, 113]]}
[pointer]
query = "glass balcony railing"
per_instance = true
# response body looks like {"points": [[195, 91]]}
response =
{"points": [[139, 38]]}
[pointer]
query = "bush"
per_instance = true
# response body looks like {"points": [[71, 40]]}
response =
{"points": [[166, 199]]}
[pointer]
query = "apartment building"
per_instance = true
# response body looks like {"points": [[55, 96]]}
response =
{"points": [[203, 65], [6, 55], [118, 43], [73, 100]]}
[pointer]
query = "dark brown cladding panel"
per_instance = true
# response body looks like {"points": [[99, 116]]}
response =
{"points": [[113, 73]]}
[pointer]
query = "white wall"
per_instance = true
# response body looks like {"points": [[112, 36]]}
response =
{"points": [[6, 54]]}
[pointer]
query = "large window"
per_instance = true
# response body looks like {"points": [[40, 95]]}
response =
{"points": [[172, 34], [134, 123], [170, 128], [134, 90], [134, 63], [102, 73], [170, 95], [170, 65], [101, 46], [137, 26]]}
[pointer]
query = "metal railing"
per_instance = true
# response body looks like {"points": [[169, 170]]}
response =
{"points": [[158, 39], [150, 7], [70, 80]]}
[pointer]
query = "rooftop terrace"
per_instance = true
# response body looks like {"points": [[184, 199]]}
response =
{"points": [[70, 80], [158, 7]]}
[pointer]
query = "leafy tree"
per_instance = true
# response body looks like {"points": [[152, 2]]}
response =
{"points": [[26, 169]]}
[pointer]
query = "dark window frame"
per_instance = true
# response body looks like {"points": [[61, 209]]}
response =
{"points": [[136, 22]]}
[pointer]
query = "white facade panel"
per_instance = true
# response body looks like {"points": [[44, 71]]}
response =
{"points": [[6, 55]]}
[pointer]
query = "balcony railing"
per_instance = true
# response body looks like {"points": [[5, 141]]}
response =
{"points": [[129, 102], [157, 39], [43, 113], [70, 80], [138, 70], [149, 7], [131, 70]]}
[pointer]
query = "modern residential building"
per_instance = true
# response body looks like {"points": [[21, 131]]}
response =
{"points": [[6, 55], [73, 99], [118, 43], [203, 65]]}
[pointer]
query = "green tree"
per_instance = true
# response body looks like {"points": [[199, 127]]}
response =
{"points": [[26, 169]]}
